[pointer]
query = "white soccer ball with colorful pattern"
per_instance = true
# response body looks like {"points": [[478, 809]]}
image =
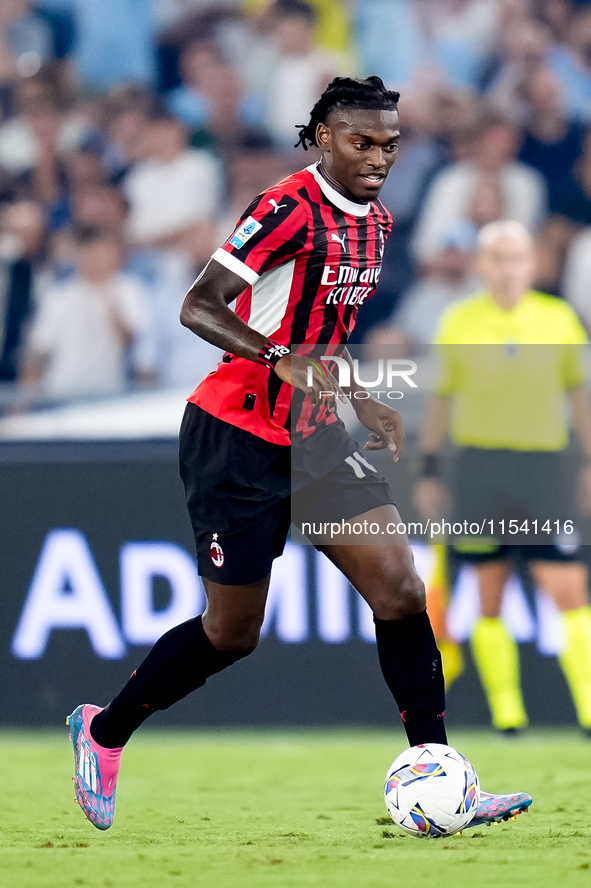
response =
{"points": [[432, 790]]}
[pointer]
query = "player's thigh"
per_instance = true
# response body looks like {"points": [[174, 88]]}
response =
{"points": [[381, 566], [234, 614], [492, 578], [238, 497], [493, 565]]}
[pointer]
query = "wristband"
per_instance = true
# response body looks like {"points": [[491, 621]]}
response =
{"points": [[428, 465], [271, 353]]}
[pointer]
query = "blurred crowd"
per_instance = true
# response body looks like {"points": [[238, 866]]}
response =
{"points": [[133, 133]]}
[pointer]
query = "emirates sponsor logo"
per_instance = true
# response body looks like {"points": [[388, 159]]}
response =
{"points": [[348, 274]]}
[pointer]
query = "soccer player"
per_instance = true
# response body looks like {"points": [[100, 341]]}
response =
{"points": [[504, 405], [304, 257]]}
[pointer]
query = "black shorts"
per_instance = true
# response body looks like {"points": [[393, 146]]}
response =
{"points": [[494, 486], [239, 493]]}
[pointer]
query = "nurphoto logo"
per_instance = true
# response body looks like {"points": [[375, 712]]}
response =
{"points": [[387, 372]]}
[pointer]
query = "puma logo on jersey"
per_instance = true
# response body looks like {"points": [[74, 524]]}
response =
{"points": [[275, 205], [339, 240]]}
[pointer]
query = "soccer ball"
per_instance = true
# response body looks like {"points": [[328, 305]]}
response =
{"points": [[432, 790]]}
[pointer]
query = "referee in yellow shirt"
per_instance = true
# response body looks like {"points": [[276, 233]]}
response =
{"points": [[503, 402]]}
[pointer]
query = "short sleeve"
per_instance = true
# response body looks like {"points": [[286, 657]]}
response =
{"points": [[273, 230], [575, 339], [575, 332]]}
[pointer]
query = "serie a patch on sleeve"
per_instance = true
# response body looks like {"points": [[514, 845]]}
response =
{"points": [[249, 227]]}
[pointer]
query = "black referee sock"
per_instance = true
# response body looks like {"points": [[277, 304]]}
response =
{"points": [[411, 665], [180, 662]]}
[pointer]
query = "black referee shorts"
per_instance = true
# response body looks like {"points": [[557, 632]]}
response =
{"points": [[239, 493], [531, 487]]}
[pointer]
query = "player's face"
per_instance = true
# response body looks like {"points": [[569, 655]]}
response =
{"points": [[359, 147], [508, 266]]}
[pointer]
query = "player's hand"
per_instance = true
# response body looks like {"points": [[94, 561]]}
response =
{"points": [[299, 372], [584, 490], [431, 499], [384, 423]]}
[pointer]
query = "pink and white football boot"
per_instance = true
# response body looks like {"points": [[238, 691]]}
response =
{"points": [[95, 769]]}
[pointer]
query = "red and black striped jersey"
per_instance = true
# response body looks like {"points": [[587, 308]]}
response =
{"points": [[311, 258]]}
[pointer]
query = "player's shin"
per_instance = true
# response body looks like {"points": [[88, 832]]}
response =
{"points": [[497, 660], [411, 665], [575, 660], [179, 663]]}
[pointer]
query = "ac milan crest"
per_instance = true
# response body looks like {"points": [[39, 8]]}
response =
{"points": [[216, 552]]}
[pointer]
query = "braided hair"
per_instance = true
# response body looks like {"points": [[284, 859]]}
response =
{"points": [[345, 92]]}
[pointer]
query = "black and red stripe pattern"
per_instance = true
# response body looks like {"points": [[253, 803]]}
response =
{"points": [[309, 258]]}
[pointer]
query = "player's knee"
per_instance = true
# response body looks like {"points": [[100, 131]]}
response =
{"points": [[241, 640], [402, 595]]}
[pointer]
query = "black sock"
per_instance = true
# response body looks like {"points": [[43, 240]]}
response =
{"points": [[180, 662], [411, 665]]}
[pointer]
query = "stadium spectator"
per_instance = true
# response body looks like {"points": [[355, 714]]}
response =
{"points": [[555, 15], [420, 156], [35, 146], [524, 49], [577, 275], [39, 98], [333, 24], [573, 198], [178, 355], [21, 235], [101, 205], [90, 327], [448, 278], [428, 42], [114, 42], [494, 147], [301, 71], [199, 65], [572, 63], [552, 143], [165, 274], [453, 116], [173, 190], [26, 44], [86, 169], [128, 112], [211, 94]]}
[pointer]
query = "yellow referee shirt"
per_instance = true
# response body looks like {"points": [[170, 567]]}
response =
{"points": [[508, 370]]}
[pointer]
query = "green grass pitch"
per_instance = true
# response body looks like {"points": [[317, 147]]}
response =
{"points": [[251, 809]]}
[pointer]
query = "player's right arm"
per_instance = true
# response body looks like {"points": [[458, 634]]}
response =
{"points": [[205, 311]]}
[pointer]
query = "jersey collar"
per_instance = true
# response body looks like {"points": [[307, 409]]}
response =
{"points": [[339, 200]]}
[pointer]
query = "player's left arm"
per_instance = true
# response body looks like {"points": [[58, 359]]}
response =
{"points": [[383, 422], [581, 411]]}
